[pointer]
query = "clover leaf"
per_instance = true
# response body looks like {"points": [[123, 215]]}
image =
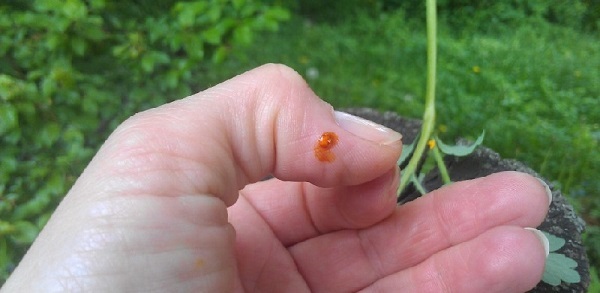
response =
{"points": [[559, 268]]}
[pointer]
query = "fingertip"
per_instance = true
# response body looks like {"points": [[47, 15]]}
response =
{"points": [[502, 259], [522, 190], [547, 189], [514, 256], [335, 148], [367, 129], [542, 238]]}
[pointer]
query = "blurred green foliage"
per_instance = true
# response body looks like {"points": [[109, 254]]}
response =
{"points": [[494, 15], [71, 70]]}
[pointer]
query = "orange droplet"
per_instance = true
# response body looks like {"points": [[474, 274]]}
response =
{"points": [[324, 145]]}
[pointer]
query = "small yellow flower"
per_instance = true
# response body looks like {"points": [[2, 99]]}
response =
{"points": [[431, 143], [476, 69]]}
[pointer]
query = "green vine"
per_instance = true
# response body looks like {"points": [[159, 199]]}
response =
{"points": [[429, 113]]}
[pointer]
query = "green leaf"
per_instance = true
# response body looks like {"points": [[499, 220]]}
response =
{"points": [[555, 242], [49, 134], [25, 232], [237, 4], [242, 35], [407, 150], [49, 86], [272, 17], [214, 13], [147, 63], [220, 55], [4, 258], [277, 13], [186, 17], [74, 9], [33, 207], [78, 46], [6, 228], [153, 58], [460, 150], [97, 4], [46, 5], [54, 40], [560, 268], [8, 117], [92, 29], [213, 35], [194, 47]]}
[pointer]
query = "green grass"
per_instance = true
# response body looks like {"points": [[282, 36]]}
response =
{"points": [[534, 88]]}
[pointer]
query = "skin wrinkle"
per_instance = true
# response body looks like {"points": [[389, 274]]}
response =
{"points": [[375, 259], [249, 137], [432, 281], [264, 260], [478, 216], [306, 208], [442, 225], [244, 160], [298, 130], [271, 148], [298, 271], [273, 120], [365, 255], [150, 229], [348, 222], [268, 117], [262, 268], [139, 155], [263, 150], [447, 223], [255, 280], [241, 135], [442, 285], [420, 235]]}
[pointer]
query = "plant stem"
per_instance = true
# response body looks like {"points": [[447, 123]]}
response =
{"points": [[429, 113], [440, 164], [418, 184]]}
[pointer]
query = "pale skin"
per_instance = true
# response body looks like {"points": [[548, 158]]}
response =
{"points": [[170, 203]]}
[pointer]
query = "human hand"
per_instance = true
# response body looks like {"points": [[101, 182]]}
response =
{"points": [[159, 208]]}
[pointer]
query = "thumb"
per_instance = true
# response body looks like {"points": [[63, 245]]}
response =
{"points": [[266, 121]]}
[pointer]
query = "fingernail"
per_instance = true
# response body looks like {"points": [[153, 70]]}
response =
{"points": [[548, 191], [542, 239], [366, 129]]}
